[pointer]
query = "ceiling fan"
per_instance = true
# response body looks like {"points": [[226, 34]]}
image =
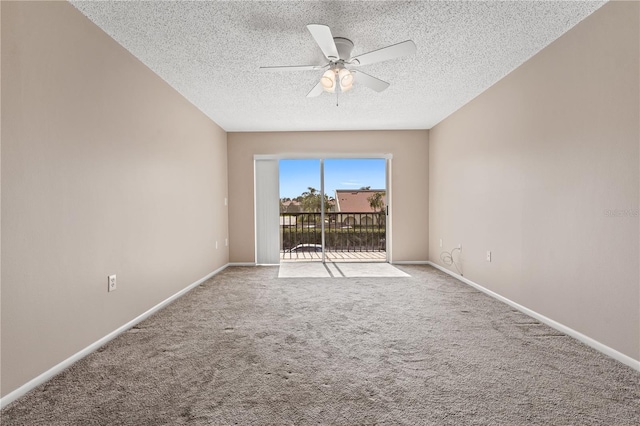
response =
{"points": [[339, 74]]}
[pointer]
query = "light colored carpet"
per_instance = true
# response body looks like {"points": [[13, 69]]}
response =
{"points": [[338, 270], [247, 348]]}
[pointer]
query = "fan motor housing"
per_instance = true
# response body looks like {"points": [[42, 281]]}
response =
{"points": [[344, 46]]}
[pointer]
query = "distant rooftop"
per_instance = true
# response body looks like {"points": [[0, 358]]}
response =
{"points": [[356, 201]]}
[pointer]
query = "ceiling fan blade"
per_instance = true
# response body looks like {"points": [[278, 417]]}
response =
{"points": [[294, 68], [316, 91], [369, 81], [404, 48], [322, 35]]}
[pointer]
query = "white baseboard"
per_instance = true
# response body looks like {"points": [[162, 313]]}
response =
{"points": [[242, 264], [618, 356], [37, 381]]}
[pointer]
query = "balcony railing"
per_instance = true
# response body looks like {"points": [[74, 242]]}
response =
{"points": [[301, 234]]}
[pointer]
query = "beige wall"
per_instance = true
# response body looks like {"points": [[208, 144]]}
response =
{"points": [[105, 170], [409, 181], [530, 169]]}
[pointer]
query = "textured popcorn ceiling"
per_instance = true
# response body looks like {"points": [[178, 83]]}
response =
{"points": [[210, 52]]}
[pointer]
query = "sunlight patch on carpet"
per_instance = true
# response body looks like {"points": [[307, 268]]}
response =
{"points": [[339, 270]]}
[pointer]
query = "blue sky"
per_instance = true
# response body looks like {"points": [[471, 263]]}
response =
{"points": [[297, 175]]}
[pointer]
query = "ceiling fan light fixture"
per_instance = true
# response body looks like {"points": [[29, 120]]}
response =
{"points": [[328, 81], [346, 79]]}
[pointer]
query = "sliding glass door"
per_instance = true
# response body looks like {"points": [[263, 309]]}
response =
{"points": [[333, 209]]}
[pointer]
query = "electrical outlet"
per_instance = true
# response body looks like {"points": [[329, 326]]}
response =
{"points": [[440, 242], [226, 201], [488, 256], [111, 281], [460, 246], [226, 242], [216, 245]]}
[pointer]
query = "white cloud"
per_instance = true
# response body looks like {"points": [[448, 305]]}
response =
{"points": [[351, 183]]}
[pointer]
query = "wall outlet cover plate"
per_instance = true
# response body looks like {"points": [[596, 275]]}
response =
{"points": [[111, 282]]}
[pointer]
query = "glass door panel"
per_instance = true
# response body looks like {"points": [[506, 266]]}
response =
{"points": [[300, 210], [355, 224]]}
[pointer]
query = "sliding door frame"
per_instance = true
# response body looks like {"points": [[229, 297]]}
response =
{"points": [[336, 156]]}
